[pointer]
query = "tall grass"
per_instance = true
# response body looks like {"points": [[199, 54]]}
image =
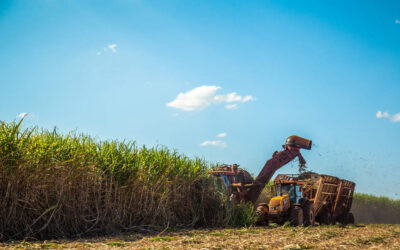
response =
{"points": [[54, 185], [375, 209]]}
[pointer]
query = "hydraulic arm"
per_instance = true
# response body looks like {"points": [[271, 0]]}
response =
{"points": [[278, 160], [250, 192]]}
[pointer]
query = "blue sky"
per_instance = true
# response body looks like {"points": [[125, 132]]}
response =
{"points": [[180, 73]]}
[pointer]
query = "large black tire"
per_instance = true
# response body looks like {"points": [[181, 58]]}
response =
{"points": [[296, 216], [341, 219], [325, 218], [261, 213], [350, 218], [308, 213], [347, 218]]}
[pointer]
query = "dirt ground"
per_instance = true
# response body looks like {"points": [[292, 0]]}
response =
{"points": [[320, 237]]}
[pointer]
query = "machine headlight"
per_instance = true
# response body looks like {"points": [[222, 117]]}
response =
{"points": [[275, 208]]}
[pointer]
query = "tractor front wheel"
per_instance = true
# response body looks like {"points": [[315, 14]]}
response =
{"points": [[262, 215]]}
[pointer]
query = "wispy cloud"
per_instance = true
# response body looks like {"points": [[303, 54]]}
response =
{"points": [[397, 21], [113, 47], [204, 96], [230, 106], [386, 115], [233, 97], [214, 143], [22, 115], [222, 135]]}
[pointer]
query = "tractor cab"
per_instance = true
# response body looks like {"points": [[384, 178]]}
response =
{"points": [[290, 189], [287, 193]]}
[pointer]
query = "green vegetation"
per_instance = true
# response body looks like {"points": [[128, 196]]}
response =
{"points": [[116, 244], [376, 199], [163, 238], [373, 209], [242, 215], [55, 185]]}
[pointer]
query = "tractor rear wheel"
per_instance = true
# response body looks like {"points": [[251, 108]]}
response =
{"points": [[296, 216], [309, 215]]}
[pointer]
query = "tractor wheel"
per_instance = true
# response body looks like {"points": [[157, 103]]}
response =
{"points": [[309, 215], [262, 214], [325, 218], [296, 216]]}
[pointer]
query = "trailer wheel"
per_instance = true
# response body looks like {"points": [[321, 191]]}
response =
{"points": [[309, 215], [296, 216], [342, 219], [325, 218], [350, 218], [347, 218]]}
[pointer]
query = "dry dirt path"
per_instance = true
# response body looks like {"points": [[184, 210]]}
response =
{"points": [[322, 237]]}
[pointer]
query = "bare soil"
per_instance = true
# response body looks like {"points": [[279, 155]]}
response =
{"points": [[376, 236]]}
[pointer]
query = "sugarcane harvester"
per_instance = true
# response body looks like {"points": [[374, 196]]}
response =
{"points": [[242, 187], [301, 199]]}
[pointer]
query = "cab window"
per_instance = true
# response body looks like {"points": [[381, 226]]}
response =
{"points": [[289, 189]]}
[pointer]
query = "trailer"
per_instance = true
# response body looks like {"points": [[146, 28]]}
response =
{"points": [[309, 197]]}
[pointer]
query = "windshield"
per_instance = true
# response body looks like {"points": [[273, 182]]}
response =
{"points": [[287, 189]]}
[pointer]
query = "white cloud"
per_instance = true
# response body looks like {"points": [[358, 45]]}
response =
{"points": [[232, 97], [197, 98], [203, 96], [112, 47], [22, 115], [222, 135], [216, 143], [380, 115], [397, 21], [396, 117], [393, 118], [230, 106]]}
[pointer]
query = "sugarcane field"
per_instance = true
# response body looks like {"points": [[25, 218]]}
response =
{"points": [[199, 124]]}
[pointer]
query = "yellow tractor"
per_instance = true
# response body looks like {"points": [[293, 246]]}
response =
{"points": [[306, 198]]}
